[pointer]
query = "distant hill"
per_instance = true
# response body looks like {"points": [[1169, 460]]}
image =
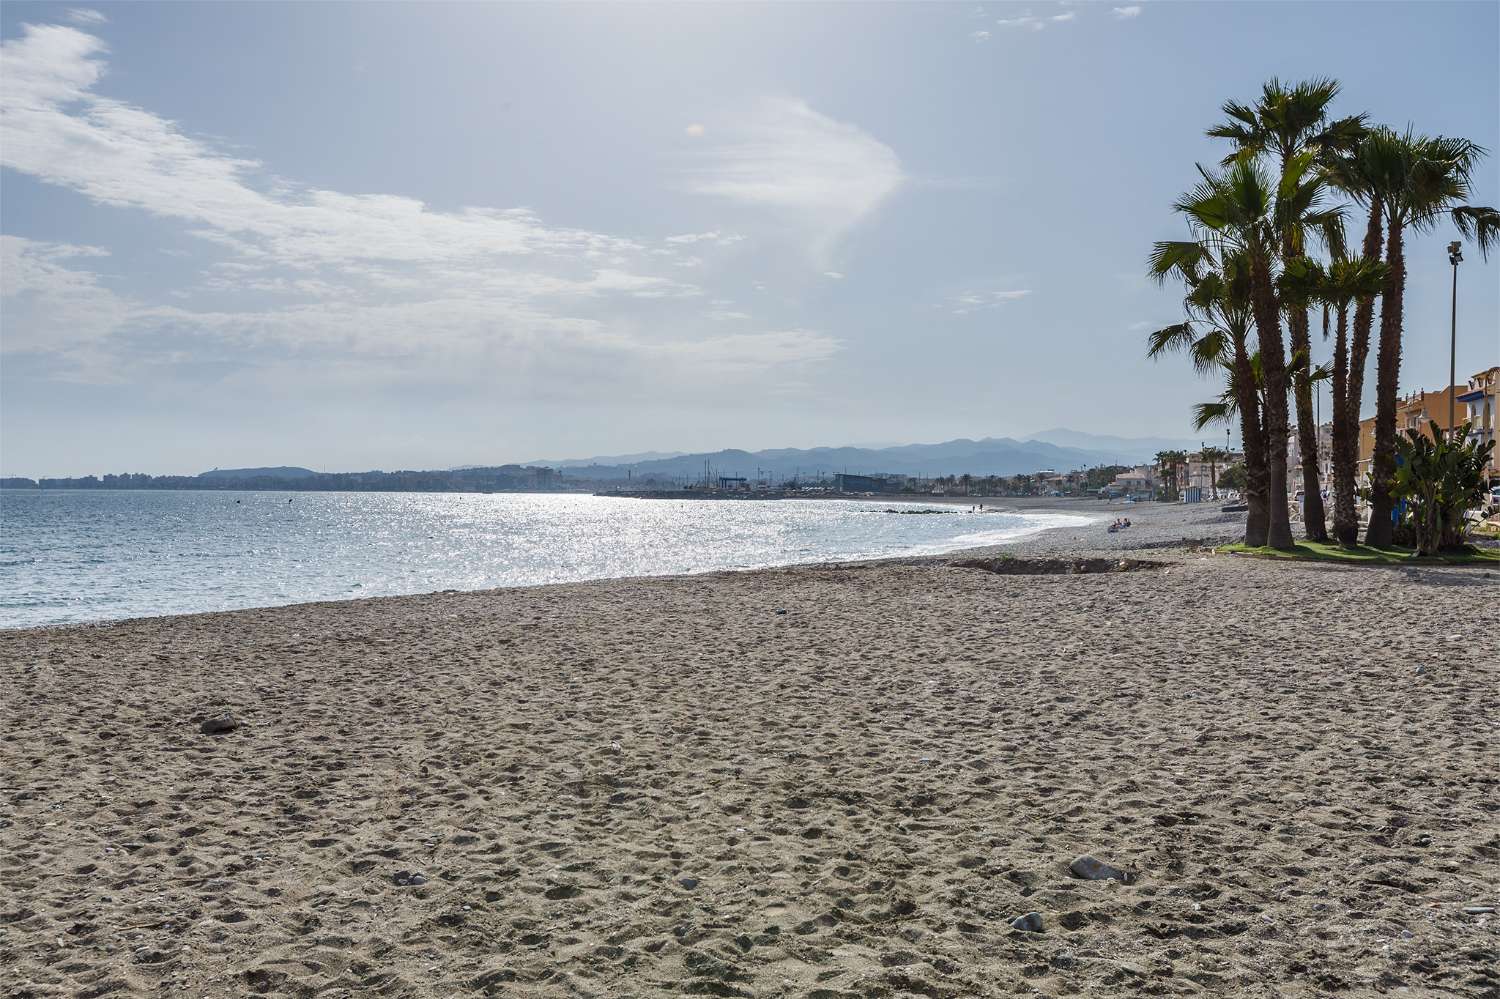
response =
{"points": [[990, 456], [276, 472], [606, 459], [1131, 449]]}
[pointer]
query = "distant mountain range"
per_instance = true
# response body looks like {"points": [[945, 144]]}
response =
{"points": [[989, 456], [1142, 448], [1060, 449], [608, 459]]}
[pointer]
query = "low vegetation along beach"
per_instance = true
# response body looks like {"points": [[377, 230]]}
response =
{"points": [[828, 781]]}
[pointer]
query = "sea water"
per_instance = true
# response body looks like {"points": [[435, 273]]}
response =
{"points": [[88, 555]]}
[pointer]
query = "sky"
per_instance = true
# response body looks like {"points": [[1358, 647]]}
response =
{"points": [[352, 236]]}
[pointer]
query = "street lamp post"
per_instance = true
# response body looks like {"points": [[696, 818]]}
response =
{"points": [[1455, 254]]}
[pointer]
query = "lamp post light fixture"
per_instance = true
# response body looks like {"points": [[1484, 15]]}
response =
{"points": [[1455, 254]]}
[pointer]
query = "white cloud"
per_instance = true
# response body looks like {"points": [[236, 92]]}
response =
{"points": [[695, 130], [1036, 22], [333, 275], [980, 36], [714, 237], [1123, 13], [721, 310], [968, 302], [835, 275], [48, 306], [1024, 21], [85, 15], [783, 155]]}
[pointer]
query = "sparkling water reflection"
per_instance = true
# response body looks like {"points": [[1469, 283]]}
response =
{"points": [[93, 555]]}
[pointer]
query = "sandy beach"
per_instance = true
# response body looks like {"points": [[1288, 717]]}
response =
{"points": [[829, 781]]}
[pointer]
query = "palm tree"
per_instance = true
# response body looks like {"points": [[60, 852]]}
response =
{"points": [[1168, 462], [1343, 282], [1354, 174], [1243, 213], [1211, 456], [1217, 336], [1287, 123], [1419, 179]]}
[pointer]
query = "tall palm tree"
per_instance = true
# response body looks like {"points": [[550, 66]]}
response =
{"points": [[1419, 180], [1354, 173], [1168, 462], [1243, 212], [1343, 282], [1211, 456], [1218, 336], [1287, 122]]}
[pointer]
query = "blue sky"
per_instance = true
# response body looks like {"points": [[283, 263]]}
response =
{"points": [[351, 236]]}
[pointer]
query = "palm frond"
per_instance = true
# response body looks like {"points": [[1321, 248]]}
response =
{"points": [[1169, 339], [1219, 411], [1479, 224], [1180, 257]]}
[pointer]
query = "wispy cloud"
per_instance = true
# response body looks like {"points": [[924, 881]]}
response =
{"points": [[86, 16], [1124, 13], [784, 155], [966, 303], [1036, 22], [714, 237], [50, 306], [980, 36], [367, 275]]}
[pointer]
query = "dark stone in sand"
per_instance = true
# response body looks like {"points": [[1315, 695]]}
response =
{"points": [[688, 883], [219, 726], [408, 878], [1030, 923], [1096, 870]]}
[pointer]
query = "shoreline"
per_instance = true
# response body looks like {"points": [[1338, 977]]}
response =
{"points": [[1036, 542]]}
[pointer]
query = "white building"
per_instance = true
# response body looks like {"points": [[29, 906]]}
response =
{"points": [[1483, 410]]}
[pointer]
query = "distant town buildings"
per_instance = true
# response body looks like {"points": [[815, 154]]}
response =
{"points": [[1473, 403]]}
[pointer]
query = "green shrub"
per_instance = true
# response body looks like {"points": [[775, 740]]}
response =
{"points": [[1440, 479]]}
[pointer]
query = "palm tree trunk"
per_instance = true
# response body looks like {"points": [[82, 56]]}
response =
{"points": [[1347, 459], [1345, 519], [1313, 521], [1247, 398], [1273, 367], [1387, 380]]}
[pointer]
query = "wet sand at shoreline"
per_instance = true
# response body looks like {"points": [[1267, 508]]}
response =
{"points": [[818, 781]]}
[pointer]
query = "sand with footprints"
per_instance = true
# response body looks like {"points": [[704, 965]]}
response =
{"points": [[820, 782]]}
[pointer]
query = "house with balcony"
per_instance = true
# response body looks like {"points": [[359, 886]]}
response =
{"points": [[1417, 411], [1480, 411], [1135, 482]]}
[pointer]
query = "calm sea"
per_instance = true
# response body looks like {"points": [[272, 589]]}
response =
{"points": [[94, 555]]}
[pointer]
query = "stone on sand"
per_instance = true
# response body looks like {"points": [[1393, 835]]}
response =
{"points": [[1031, 922], [1096, 870], [219, 725]]}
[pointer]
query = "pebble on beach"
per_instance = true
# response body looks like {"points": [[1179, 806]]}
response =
{"points": [[1096, 870], [219, 725], [1031, 922]]}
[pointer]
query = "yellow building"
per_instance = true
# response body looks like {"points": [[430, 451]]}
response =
{"points": [[1417, 411]]}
